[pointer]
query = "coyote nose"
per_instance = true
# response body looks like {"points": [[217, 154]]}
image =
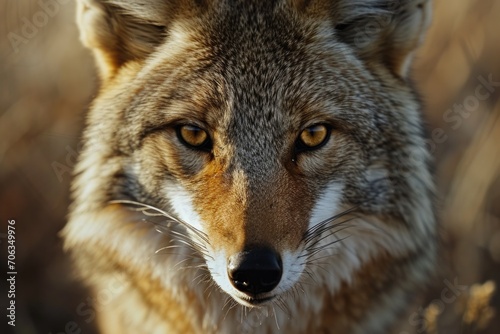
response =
{"points": [[255, 271]]}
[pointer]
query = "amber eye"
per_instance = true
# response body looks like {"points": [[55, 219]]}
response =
{"points": [[313, 137], [193, 136]]}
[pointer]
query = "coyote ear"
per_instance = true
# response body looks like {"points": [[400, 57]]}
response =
{"points": [[387, 31], [119, 31]]}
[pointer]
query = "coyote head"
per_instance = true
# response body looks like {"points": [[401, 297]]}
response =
{"points": [[281, 139]]}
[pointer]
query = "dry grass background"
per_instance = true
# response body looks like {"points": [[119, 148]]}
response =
{"points": [[47, 81]]}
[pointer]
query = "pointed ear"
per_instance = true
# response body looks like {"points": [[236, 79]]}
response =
{"points": [[384, 31], [387, 31], [119, 31]]}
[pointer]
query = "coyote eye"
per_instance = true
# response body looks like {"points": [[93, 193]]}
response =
{"points": [[193, 137], [313, 137]]}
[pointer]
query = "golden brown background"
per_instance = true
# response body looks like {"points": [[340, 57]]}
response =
{"points": [[47, 80]]}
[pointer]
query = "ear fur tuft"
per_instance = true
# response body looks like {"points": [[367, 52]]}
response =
{"points": [[119, 31], [387, 31]]}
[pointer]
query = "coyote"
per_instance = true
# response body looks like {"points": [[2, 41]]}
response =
{"points": [[253, 166]]}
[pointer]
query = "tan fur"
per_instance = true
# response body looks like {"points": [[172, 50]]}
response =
{"points": [[352, 221]]}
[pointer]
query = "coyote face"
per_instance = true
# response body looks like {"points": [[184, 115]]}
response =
{"points": [[263, 146]]}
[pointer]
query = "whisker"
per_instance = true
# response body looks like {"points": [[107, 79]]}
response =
{"points": [[284, 306], [313, 230], [340, 225], [301, 287], [323, 247], [310, 274], [314, 260], [312, 246], [149, 210], [276, 318], [199, 277]]}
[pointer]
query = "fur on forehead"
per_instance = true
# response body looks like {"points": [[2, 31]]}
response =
{"points": [[120, 31]]}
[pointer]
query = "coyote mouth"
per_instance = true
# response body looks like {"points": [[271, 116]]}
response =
{"points": [[253, 302]]}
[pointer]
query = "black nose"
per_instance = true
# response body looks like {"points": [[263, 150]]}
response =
{"points": [[255, 271]]}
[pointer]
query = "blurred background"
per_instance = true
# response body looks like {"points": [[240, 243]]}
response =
{"points": [[47, 80]]}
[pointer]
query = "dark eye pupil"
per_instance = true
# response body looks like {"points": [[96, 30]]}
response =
{"points": [[193, 134]]}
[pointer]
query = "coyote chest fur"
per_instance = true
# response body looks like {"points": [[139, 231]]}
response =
{"points": [[253, 166]]}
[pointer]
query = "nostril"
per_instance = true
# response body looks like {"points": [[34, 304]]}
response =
{"points": [[255, 271]]}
